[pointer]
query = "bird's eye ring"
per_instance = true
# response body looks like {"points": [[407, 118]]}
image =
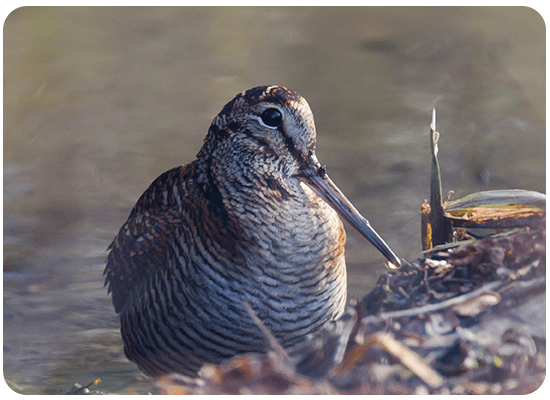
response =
{"points": [[272, 117]]}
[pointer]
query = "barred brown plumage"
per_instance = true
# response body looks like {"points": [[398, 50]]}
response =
{"points": [[251, 219]]}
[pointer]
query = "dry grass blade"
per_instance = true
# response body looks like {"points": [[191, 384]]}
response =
{"points": [[407, 357], [440, 227], [286, 364]]}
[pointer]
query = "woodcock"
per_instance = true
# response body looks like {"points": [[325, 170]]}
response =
{"points": [[254, 218]]}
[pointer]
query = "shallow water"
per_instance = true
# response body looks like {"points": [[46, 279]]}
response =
{"points": [[99, 101]]}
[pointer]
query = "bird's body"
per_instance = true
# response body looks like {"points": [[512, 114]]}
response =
{"points": [[243, 222]]}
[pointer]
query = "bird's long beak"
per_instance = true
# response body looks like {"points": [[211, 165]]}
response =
{"points": [[315, 176]]}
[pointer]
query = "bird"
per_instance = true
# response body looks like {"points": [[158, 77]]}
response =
{"points": [[254, 220]]}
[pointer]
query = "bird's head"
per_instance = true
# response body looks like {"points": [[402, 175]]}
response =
{"points": [[269, 130]]}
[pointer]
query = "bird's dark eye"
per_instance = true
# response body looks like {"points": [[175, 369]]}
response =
{"points": [[272, 117]]}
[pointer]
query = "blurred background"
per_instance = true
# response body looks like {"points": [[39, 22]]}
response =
{"points": [[100, 101]]}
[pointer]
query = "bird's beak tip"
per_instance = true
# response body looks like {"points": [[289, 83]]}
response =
{"points": [[395, 264]]}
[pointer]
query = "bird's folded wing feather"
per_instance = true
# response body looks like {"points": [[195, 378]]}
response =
{"points": [[142, 244]]}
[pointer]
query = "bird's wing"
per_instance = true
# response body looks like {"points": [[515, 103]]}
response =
{"points": [[142, 244]]}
